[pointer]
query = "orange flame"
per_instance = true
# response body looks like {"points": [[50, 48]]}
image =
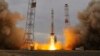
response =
{"points": [[52, 43], [71, 38], [48, 46]]}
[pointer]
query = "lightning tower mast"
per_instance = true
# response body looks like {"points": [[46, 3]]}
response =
{"points": [[30, 22], [66, 15]]}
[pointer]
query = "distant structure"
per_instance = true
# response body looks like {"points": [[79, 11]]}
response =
{"points": [[3, 5], [2, 0], [30, 22], [66, 15], [52, 25], [96, 0]]}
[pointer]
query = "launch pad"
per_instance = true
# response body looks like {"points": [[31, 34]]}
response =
{"points": [[50, 53]]}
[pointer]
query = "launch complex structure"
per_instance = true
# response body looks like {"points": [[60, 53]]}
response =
{"points": [[30, 23], [29, 37]]}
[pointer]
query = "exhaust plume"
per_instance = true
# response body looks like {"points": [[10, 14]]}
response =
{"points": [[87, 33], [71, 39], [11, 37]]}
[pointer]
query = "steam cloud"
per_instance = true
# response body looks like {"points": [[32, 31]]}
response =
{"points": [[87, 33], [11, 37]]}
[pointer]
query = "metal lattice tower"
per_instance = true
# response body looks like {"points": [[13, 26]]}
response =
{"points": [[30, 22], [66, 15]]}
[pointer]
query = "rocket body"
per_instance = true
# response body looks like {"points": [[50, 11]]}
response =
{"points": [[52, 25]]}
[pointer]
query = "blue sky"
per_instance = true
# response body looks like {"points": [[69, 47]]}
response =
{"points": [[43, 10]]}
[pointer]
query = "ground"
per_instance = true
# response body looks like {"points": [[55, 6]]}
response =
{"points": [[48, 53]]}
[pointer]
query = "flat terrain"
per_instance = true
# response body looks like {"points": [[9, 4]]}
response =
{"points": [[48, 53]]}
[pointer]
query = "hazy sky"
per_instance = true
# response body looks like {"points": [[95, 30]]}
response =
{"points": [[43, 16]]}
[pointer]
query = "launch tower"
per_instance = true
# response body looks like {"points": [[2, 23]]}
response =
{"points": [[30, 22], [66, 15]]}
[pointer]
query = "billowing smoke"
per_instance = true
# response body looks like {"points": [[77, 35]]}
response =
{"points": [[87, 33], [11, 37]]}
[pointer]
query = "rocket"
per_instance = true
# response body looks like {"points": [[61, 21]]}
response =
{"points": [[52, 25]]}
